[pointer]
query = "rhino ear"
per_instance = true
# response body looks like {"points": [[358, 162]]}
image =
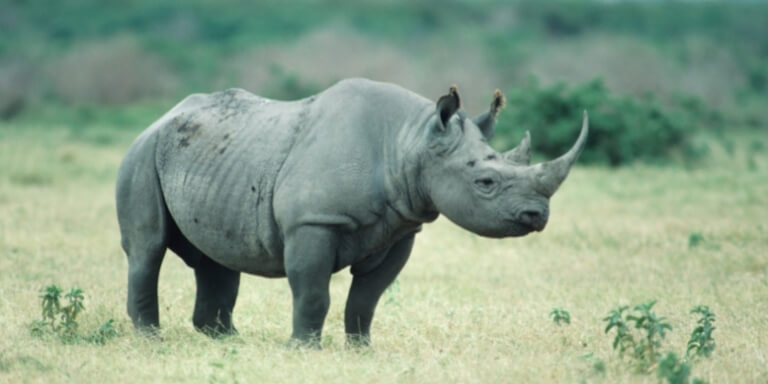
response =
{"points": [[487, 121], [448, 104]]}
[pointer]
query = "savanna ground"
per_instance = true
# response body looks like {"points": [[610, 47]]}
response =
{"points": [[465, 309], [80, 79]]}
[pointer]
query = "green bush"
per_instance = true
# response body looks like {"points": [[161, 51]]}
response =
{"points": [[622, 129]]}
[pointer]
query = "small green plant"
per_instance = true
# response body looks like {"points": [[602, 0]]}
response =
{"points": [[61, 320], [597, 365], [623, 340], [695, 239], [560, 315], [104, 333], [70, 312], [645, 349], [673, 370], [701, 343], [51, 306]]}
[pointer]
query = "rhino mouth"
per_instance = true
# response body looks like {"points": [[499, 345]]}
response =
{"points": [[517, 228], [510, 228]]}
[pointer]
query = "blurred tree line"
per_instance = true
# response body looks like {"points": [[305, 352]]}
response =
{"points": [[655, 72]]}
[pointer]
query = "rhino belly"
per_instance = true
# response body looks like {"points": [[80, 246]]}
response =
{"points": [[229, 243], [218, 184], [229, 225]]}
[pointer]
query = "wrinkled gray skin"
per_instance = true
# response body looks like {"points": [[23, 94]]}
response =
{"points": [[233, 182]]}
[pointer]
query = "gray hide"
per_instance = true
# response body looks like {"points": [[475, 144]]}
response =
{"points": [[233, 182]]}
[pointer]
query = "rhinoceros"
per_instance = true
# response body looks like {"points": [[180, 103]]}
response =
{"points": [[232, 182]]}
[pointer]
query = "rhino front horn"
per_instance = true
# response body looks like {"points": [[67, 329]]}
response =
{"points": [[551, 174]]}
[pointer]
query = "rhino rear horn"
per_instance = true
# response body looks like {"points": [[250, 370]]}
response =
{"points": [[551, 174], [448, 104], [522, 153]]}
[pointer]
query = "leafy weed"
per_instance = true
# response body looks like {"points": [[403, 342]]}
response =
{"points": [[62, 320]]}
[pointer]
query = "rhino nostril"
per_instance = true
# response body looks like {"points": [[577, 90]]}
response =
{"points": [[530, 216], [536, 218]]}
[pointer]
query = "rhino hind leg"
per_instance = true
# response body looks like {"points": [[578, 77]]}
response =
{"points": [[142, 294], [143, 219], [217, 288]]}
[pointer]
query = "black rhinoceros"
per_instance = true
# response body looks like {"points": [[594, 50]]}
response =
{"points": [[233, 182]]}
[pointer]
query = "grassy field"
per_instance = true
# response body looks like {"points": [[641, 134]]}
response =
{"points": [[465, 309]]}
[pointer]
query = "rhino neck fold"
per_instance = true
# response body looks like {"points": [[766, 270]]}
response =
{"points": [[405, 189]]}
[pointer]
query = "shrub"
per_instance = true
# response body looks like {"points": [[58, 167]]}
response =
{"points": [[15, 89], [111, 72], [622, 129]]}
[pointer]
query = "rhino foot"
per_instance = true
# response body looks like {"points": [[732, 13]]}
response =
{"points": [[358, 341], [217, 331], [313, 343]]}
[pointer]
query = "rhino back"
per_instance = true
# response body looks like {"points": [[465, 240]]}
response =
{"points": [[217, 160]]}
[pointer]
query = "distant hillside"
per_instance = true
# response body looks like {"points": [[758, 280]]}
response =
{"points": [[120, 52]]}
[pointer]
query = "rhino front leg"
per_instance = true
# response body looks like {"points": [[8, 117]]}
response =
{"points": [[366, 289], [310, 255]]}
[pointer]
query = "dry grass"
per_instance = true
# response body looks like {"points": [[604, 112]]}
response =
{"points": [[466, 309]]}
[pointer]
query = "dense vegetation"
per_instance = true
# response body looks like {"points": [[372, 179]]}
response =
{"points": [[669, 70], [622, 129]]}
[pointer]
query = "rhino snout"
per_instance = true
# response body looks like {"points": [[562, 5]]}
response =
{"points": [[534, 217]]}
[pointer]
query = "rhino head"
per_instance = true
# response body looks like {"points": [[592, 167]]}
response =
{"points": [[489, 193]]}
